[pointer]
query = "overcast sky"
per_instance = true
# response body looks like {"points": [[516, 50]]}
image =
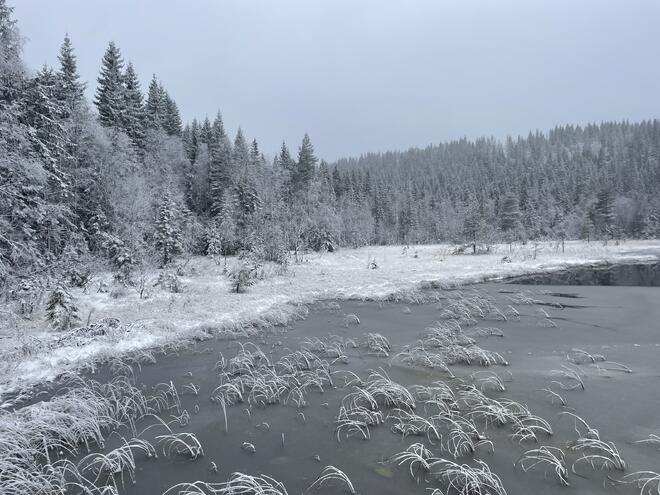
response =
{"points": [[372, 75]]}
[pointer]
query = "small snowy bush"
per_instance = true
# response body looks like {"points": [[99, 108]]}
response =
{"points": [[120, 256], [80, 278], [244, 273], [26, 294], [170, 281], [61, 310]]}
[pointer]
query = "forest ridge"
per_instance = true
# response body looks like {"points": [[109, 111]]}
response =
{"points": [[122, 179]]}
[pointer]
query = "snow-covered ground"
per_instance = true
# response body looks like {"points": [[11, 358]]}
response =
{"points": [[31, 353]]}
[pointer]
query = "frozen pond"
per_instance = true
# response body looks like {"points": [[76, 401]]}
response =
{"points": [[535, 329]]}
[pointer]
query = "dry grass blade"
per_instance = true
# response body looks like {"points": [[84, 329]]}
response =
{"points": [[614, 366], [652, 440], [580, 356], [329, 474], [581, 427], [554, 396], [195, 488]]}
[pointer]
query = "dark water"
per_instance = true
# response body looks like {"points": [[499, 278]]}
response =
{"points": [[640, 275], [618, 404]]}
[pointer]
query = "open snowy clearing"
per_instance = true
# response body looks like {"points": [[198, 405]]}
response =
{"points": [[32, 353]]}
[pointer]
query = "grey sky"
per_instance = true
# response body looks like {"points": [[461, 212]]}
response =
{"points": [[372, 75]]}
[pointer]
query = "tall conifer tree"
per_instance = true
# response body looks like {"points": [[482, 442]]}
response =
{"points": [[109, 99]]}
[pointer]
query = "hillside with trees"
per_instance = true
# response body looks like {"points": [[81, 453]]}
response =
{"points": [[123, 181], [598, 181]]}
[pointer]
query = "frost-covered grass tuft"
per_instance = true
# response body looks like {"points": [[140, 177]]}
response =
{"points": [[551, 459], [330, 474]]}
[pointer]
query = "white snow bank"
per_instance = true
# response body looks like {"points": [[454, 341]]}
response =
{"points": [[207, 306]]}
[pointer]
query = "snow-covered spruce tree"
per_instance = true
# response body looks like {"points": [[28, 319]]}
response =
{"points": [[473, 224], [510, 217], [190, 139], [604, 213], [61, 310], [71, 88], [220, 169], [214, 242], [245, 272], [154, 107], [303, 171], [109, 100], [44, 113], [172, 119], [168, 230], [651, 225], [228, 230], [133, 117], [120, 256], [285, 165], [35, 223]]}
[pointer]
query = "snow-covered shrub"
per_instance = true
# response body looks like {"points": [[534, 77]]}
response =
{"points": [[320, 237], [194, 236], [26, 294], [120, 255], [270, 248], [80, 278], [61, 310], [273, 246], [244, 273], [170, 281], [214, 243], [118, 292], [168, 235]]}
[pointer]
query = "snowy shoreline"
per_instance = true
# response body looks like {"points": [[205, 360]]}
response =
{"points": [[207, 309]]}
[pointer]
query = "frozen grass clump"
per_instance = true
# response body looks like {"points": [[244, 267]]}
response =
{"points": [[551, 459], [251, 377], [597, 454], [184, 444], [331, 474], [580, 356], [417, 356], [572, 380], [355, 420], [462, 479], [238, 484], [446, 344], [105, 468], [410, 424], [35, 440], [389, 393], [378, 345], [332, 347], [418, 458]]}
